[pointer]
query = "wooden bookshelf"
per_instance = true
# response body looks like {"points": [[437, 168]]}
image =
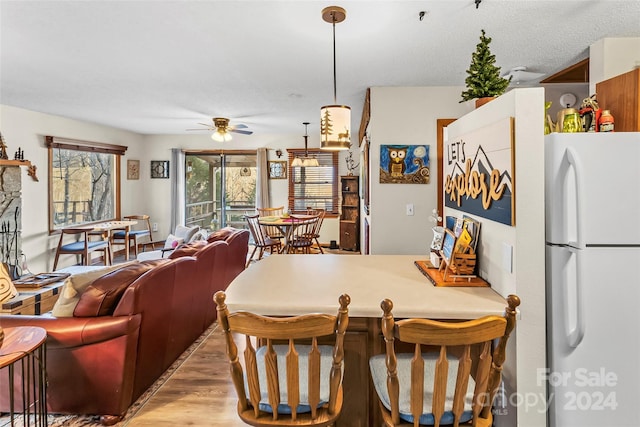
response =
{"points": [[350, 213]]}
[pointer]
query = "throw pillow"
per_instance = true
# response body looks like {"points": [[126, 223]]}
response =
{"points": [[186, 233], [188, 249], [74, 285], [173, 242], [221, 234], [103, 295]]}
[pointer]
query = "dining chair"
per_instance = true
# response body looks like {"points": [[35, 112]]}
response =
{"points": [[278, 211], [452, 375], [261, 240], [136, 233], [271, 230], [301, 233], [288, 378], [316, 232], [82, 245]]}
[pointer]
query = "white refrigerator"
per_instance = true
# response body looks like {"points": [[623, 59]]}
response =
{"points": [[592, 206]]}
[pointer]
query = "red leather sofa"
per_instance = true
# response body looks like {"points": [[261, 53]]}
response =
{"points": [[115, 346]]}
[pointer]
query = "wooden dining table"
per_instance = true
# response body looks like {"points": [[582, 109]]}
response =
{"points": [[286, 225], [106, 229]]}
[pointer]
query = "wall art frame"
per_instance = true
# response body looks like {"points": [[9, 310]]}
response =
{"points": [[277, 169], [404, 164], [160, 169], [133, 169]]}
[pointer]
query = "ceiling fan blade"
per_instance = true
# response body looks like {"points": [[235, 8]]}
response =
{"points": [[243, 132], [207, 129], [239, 126]]}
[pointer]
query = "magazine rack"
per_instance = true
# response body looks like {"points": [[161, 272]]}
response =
{"points": [[461, 264]]}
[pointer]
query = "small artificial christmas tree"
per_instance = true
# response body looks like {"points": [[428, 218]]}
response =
{"points": [[483, 78]]}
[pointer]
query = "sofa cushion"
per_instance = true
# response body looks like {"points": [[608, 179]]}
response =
{"points": [[188, 249], [103, 294], [221, 234], [75, 285]]}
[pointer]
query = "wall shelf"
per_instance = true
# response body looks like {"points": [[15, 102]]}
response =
{"points": [[31, 169]]}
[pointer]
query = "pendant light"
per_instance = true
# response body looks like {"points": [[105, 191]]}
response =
{"points": [[306, 161], [335, 120]]}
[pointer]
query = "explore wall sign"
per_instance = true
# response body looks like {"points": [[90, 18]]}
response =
{"points": [[479, 174]]}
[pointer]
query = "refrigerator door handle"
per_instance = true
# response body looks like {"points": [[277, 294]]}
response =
{"points": [[575, 335], [574, 161]]}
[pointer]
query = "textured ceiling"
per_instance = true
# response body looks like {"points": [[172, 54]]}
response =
{"points": [[160, 67]]}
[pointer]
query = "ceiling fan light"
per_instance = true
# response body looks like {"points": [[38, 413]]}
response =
{"points": [[221, 136], [335, 127]]}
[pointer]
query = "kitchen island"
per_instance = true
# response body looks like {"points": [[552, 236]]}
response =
{"points": [[283, 285]]}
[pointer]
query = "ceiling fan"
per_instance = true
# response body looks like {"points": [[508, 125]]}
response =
{"points": [[222, 129], [520, 75]]}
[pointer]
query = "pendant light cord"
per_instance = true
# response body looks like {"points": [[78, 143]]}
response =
{"points": [[306, 135], [333, 18]]}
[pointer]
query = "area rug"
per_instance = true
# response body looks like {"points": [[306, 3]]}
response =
{"points": [[94, 421]]}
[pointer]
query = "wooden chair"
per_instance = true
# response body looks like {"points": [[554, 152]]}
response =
{"points": [[271, 230], [271, 211], [316, 232], [285, 367], [450, 378], [82, 246], [301, 233], [135, 235], [261, 240]]}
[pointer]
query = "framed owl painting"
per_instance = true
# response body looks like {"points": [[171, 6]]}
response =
{"points": [[404, 164]]}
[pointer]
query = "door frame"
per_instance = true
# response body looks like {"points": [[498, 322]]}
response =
{"points": [[441, 124]]}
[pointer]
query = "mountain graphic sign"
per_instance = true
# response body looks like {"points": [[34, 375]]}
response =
{"points": [[478, 169]]}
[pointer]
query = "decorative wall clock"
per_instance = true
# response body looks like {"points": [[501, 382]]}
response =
{"points": [[159, 168]]}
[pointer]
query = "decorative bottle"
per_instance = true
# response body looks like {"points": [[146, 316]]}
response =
{"points": [[606, 121]]}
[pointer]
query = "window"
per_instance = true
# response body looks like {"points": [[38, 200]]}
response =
{"points": [[315, 187], [220, 188], [84, 182]]}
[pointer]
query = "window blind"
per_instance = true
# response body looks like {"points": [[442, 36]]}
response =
{"points": [[314, 187]]}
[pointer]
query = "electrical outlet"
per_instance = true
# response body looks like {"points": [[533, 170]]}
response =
{"points": [[409, 209], [155, 226]]}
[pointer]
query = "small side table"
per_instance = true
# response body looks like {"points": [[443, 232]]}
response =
{"points": [[24, 348]]}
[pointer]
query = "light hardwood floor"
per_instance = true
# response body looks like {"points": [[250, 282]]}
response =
{"points": [[198, 394]]}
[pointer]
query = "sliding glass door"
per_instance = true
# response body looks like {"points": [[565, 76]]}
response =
{"points": [[220, 188]]}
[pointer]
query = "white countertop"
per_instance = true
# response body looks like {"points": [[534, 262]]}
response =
{"points": [[298, 284]]}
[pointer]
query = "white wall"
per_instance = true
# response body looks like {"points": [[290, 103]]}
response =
{"points": [[406, 115], [527, 278], [611, 57]]}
